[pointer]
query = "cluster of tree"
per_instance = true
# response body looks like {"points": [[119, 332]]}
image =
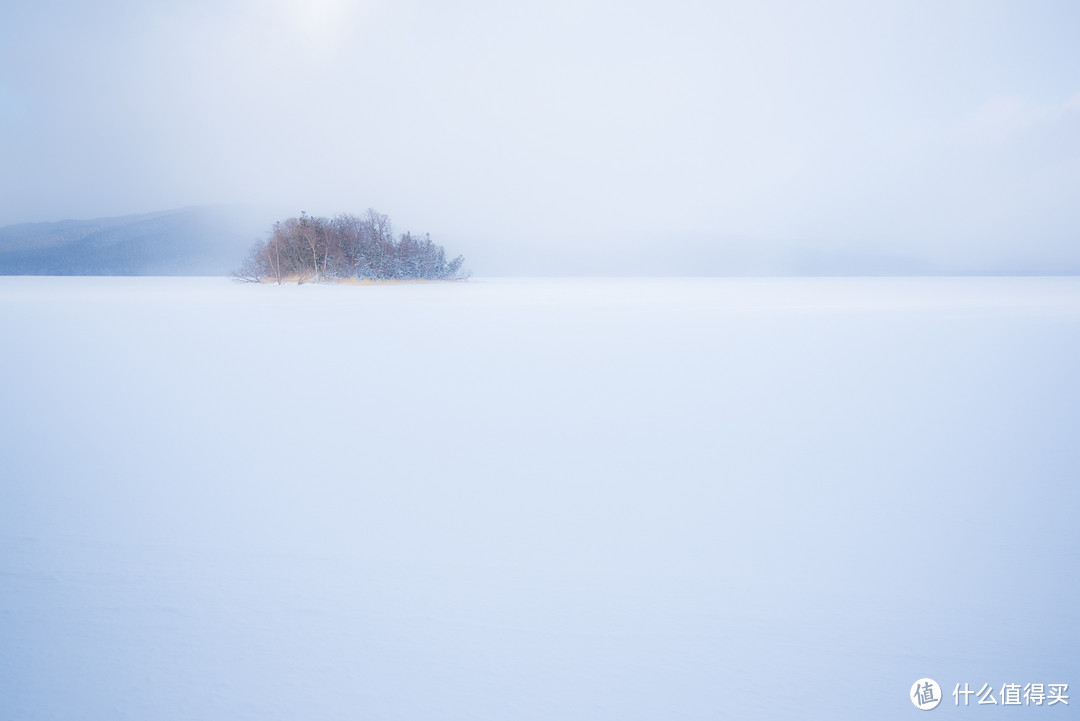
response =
{"points": [[315, 249]]}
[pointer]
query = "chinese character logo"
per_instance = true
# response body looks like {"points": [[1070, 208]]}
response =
{"points": [[926, 694], [1012, 694]]}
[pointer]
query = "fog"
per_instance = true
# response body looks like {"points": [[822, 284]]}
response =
{"points": [[568, 136]]}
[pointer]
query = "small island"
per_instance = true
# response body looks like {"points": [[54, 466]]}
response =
{"points": [[344, 248]]}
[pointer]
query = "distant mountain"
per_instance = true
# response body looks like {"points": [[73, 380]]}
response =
{"points": [[208, 240]]}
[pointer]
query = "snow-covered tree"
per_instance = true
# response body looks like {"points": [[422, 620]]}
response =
{"points": [[310, 247]]}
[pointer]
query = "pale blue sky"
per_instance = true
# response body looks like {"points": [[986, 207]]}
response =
{"points": [[944, 131]]}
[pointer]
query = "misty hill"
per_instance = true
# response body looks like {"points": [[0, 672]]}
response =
{"points": [[190, 241]]}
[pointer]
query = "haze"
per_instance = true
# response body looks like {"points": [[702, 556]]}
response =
{"points": [[578, 136]]}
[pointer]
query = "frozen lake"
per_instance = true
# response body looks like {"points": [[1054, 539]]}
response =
{"points": [[536, 499]]}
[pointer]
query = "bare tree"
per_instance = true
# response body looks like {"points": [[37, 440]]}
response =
{"points": [[347, 246], [252, 269]]}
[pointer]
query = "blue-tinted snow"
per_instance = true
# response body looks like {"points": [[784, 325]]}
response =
{"points": [[530, 499]]}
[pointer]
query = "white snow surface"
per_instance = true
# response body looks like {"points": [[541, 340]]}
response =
{"points": [[535, 499]]}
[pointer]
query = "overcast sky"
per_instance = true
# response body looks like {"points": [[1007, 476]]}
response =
{"points": [[944, 131]]}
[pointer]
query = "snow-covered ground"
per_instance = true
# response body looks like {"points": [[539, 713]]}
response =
{"points": [[534, 499]]}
